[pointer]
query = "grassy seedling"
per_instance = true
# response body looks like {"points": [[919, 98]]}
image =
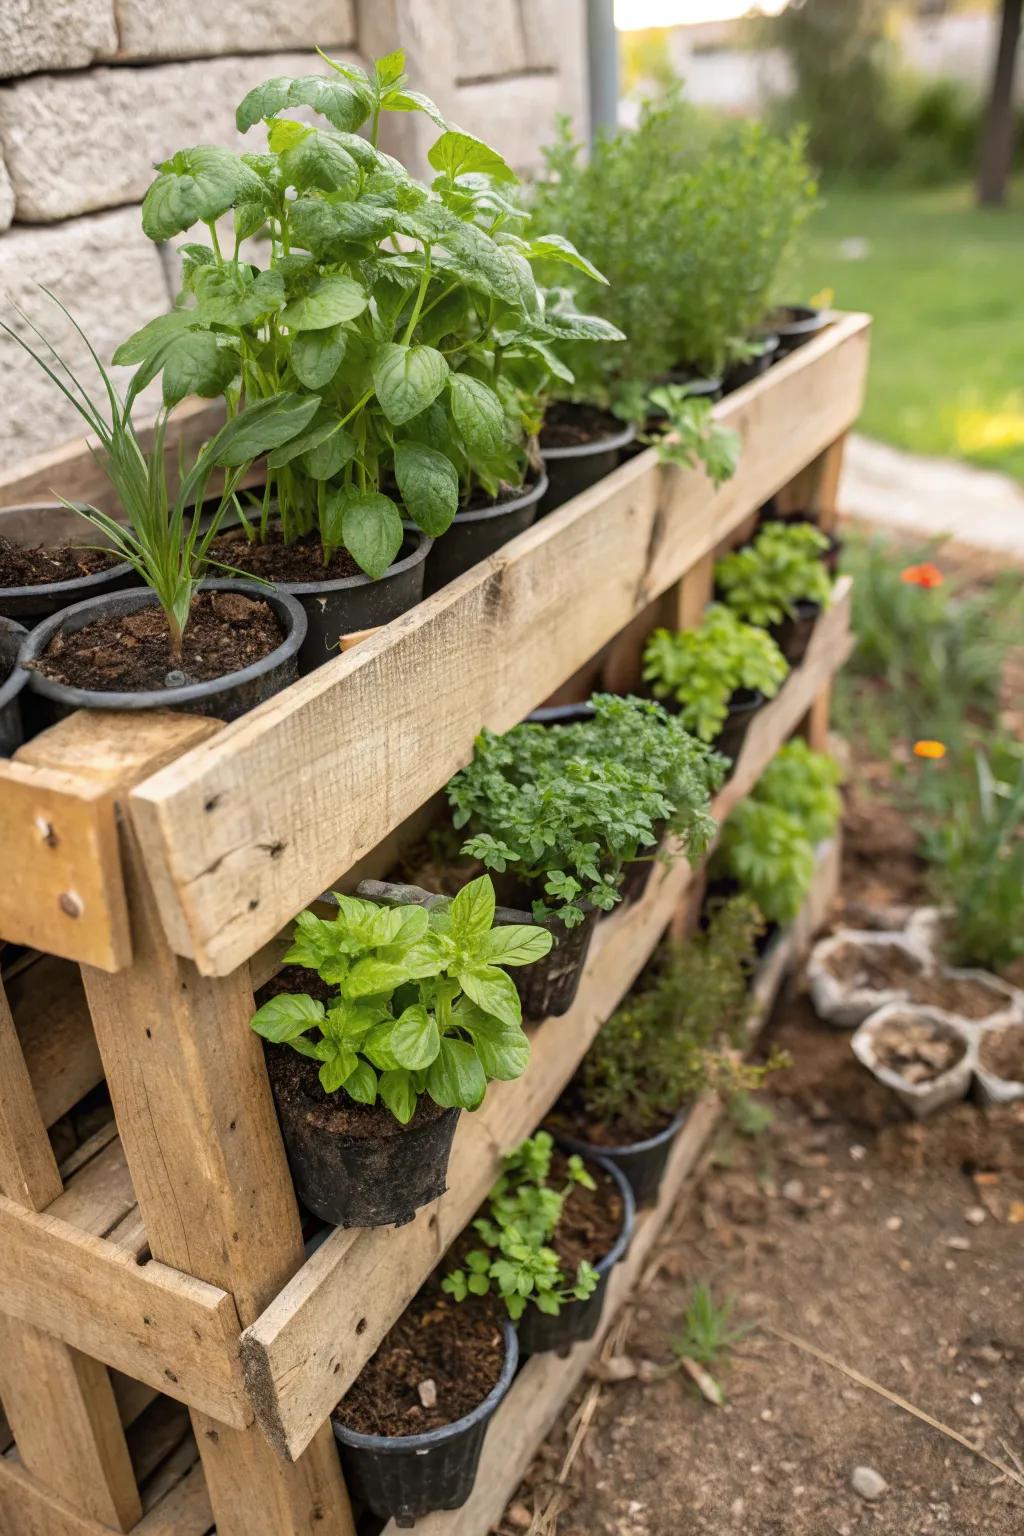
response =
{"points": [[706, 1336]]}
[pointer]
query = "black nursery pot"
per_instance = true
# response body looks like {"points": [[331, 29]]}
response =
{"points": [[642, 1162], [362, 1181], [548, 987], [752, 367], [475, 535], [350, 603], [795, 324], [743, 706], [222, 698], [13, 679], [30, 605], [576, 468], [405, 1477], [793, 636], [579, 1320]]}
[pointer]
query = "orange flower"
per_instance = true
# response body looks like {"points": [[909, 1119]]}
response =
{"points": [[926, 575], [932, 749]]}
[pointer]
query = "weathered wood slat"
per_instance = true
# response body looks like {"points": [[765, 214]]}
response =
{"points": [[313, 1339], [351, 750], [56, 1034]]}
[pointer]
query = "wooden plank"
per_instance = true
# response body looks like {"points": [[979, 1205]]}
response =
{"points": [[545, 1383], [175, 1333], [27, 1508], [230, 867], [100, 1194], [56, 1034], [316, 1335], [28, 1169], [185, 1511], [58, 831]]}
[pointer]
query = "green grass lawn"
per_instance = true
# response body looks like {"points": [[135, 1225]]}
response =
{"points": [[945, 283]]}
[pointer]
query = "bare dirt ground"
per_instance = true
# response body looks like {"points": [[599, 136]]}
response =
{"points": [[896, 1248]]}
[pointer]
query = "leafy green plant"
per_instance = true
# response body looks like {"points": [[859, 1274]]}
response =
{"points": [[768, 842], [564, 807], [700, 669], [423, 1004], [763, 582], [672, 1038], [707, 1331], [162, 539], [516, 1259], [421, 360], [681, 425]]}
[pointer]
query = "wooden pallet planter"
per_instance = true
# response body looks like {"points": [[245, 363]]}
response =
{"points": [[166, 1256]]}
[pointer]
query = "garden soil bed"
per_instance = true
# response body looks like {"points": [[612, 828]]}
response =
{"points": [[892, 1245], [966, 996], [438, 1363], [37, 567], [1002, 1052], [131, 653]]}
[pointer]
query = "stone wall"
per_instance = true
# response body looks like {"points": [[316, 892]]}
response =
{"points": [[94, 92]]}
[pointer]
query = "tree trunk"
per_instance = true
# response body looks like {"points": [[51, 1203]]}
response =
{"points": [[997, 140]]}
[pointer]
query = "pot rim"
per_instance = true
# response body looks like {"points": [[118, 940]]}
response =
{"points": [[347, 583], [285, 606], [396, 1445], [749, 705], [613, 443], [807, 318], [629, 1148], [17, 677]]}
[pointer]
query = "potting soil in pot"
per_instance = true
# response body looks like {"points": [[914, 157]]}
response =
{"points": [[439, 1361], [131, 653], [571, 426], [274, 560], [38, 566], [296, 1080], [591, 1218], [916, 1049], [878, 968], [615, 1131], [1002, 1053], [968, 996]]}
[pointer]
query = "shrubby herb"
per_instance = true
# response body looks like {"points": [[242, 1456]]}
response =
{"points": [[674, 1037], [423, 1004], [161, 539], [768, 842], [700, 669], [523, 1214], [564, 807], [406, 317], [763, 582], [681, 426]]}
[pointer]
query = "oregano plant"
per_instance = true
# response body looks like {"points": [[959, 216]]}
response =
{"points": [[765, 580], [700, 669], [407, 315], [423, 1004]]}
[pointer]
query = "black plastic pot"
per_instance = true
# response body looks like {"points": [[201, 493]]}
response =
{"points": [[579, 1320], [475, 535], [642, 1162], [223, 698], [13, 679], [30, 605], [794, 324], [562, 714], [548, 987], [743, 706], [574, 469], [350, 603], [793, 636], [752, 367], [405, 1477]]}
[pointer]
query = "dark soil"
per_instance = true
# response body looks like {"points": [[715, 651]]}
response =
{"points": [[917, 1049], [131, 653], [435, 865], [296, 1078], [971, 998], [277, 561], [297, 978], [881, 968], [480, 499], [569, 1115], [36, 567], [441, 1353], [567, 425], [591, 1219], [1002, 1052]]}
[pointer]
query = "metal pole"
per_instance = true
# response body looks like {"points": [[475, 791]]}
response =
{"points": [[602, 66]]}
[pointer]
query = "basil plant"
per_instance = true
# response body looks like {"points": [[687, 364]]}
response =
{"points": [[423, 1002], [407, 316]]}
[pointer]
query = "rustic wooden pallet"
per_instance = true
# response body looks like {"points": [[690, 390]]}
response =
{"points": [[169, 1257]]}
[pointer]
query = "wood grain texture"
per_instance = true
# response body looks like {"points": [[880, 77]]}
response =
{"points": [[28, 1508], [230, 866], [545, 1383], [28, 1169], [313, 1339], [56, 1034]]}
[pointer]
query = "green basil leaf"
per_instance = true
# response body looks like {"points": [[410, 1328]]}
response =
{"points": [[369, 526], [455, 153], [471, 913], [154, 336], [311, 438], [558, 248], [397, 1091], [196, 186], [262, 426], [493, 991], [515, 944], [194, 364], [503, 1049], [229, 295], [339, 1064], [318, 226], [318, 160], [330, 300], [287, 1016], [315, 356], [407, 380], [415, 101], [455, 1079], [478, 414], [370, 977], [345, 103], [361, 1083], [429, 484], [414, 1039], [330, 455]]}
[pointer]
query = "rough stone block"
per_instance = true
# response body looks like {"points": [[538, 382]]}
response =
{"points": [[488, 45], [555, 35], [54, 34], [6, 198], [77, 143], [111, 278], [516, 115], [181, 29]]}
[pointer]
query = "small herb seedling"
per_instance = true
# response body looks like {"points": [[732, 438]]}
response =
{"points": [[707, 1334], [700, 669], [516, 1259], [423, 1004], [763, 582]]}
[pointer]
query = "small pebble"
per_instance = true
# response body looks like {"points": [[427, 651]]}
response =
{"points": [[858, 1153], [961, 1244], [975, 1215], [976, 1399], [868, 1483], [519, 1517], [175, 679], [893, 1223], [427, 1391]]}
